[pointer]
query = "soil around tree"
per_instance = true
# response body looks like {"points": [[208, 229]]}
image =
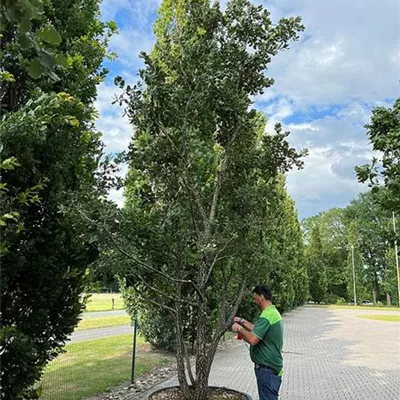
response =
{"points": [[213, 393]]}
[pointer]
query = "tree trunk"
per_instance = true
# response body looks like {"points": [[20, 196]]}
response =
{"points": [[202, 374], [201, 356], [180, 350], [388, 301], [374, 296]]}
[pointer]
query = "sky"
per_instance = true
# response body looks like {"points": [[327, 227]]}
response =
{"points": [[346, 62]]}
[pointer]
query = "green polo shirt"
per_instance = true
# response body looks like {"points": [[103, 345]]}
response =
{"points": [[269, 329]]}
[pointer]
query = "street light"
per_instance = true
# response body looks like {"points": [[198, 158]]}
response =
{"points": [[354, 275], [396, 254]]}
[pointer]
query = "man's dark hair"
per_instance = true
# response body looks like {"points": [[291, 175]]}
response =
{"points": [[263, 291]]}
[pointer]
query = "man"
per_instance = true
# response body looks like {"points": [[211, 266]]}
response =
{"points": [[266, 339]]}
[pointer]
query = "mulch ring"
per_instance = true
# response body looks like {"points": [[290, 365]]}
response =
{"points": [[214, 393]]}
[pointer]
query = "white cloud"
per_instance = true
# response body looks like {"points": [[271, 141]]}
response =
{"points": [[139, 11], [115, 127], [276, 112], [135, 19], [129, 43], [328, 180], [336, 145], [349, 51]]}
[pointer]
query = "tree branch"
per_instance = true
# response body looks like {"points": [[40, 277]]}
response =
{"points": [[159, 292], [156, 303], [221, 173], [136, 260], [184, 177], [216, 258], [225, 325]]}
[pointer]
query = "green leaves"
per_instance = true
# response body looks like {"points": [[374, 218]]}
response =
{"points": [[384, 134], [35, 68], [316, 267], [43, 40], [49, 162], [49, 35]]}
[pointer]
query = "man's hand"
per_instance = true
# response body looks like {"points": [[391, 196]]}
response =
{"points": [[239, 320], [236, 327], [248, 336]]}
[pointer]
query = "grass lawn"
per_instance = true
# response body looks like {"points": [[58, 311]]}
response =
{"points": [[91, 367], [103, 322], [344, 306], [103, 302], [387, 318]]}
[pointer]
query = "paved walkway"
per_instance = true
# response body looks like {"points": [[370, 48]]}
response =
{"points": [[329, 354], [97, 314], [97, 333]]}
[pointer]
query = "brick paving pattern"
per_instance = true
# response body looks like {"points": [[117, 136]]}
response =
{"points": [[329, 354]]}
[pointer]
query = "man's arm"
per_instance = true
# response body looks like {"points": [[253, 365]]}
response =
{"points": [[248, 336], [248, 325]]}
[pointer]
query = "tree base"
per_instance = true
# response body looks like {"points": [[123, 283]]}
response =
{"points": [[213, 393]]}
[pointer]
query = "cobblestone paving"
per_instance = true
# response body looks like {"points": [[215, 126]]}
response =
{"points": [[329, 354]]}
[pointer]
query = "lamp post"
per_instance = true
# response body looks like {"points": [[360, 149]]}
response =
{"points": [[354, 275], [396, 254]]}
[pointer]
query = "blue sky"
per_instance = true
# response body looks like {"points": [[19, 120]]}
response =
{"points": [[346, 62]]}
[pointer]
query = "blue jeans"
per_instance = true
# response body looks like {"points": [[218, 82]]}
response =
{"points": [[268, 383]]}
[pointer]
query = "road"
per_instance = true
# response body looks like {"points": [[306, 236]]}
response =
{"points": [[97, 314], [92, 334]]}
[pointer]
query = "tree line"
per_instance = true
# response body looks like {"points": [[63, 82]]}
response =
{"points": [[361, 235]]}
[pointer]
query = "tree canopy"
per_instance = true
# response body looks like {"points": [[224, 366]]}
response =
{"points": [[51, 56]]}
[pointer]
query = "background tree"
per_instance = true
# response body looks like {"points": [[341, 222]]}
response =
{"points": [[389, 285], [285, 267], [201, 170], [358, 276], [316, 267], [374, 239], [333, 235], [366, 225], [384, 133], [48, 129]]}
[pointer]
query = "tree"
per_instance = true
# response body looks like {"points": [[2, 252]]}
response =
{"points": [[358, 273], [389, 285], [384, 133], [285, 268], [201, 170], [316, 267], [370, 226], [48, 130], [334, 243]]}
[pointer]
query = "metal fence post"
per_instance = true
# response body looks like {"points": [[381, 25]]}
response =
{"points": [[134, 350]]}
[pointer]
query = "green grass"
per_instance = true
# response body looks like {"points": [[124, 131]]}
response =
{"points": [[344, 306], [386, 318], [91, 367], [103, 302], [103, 322]]}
